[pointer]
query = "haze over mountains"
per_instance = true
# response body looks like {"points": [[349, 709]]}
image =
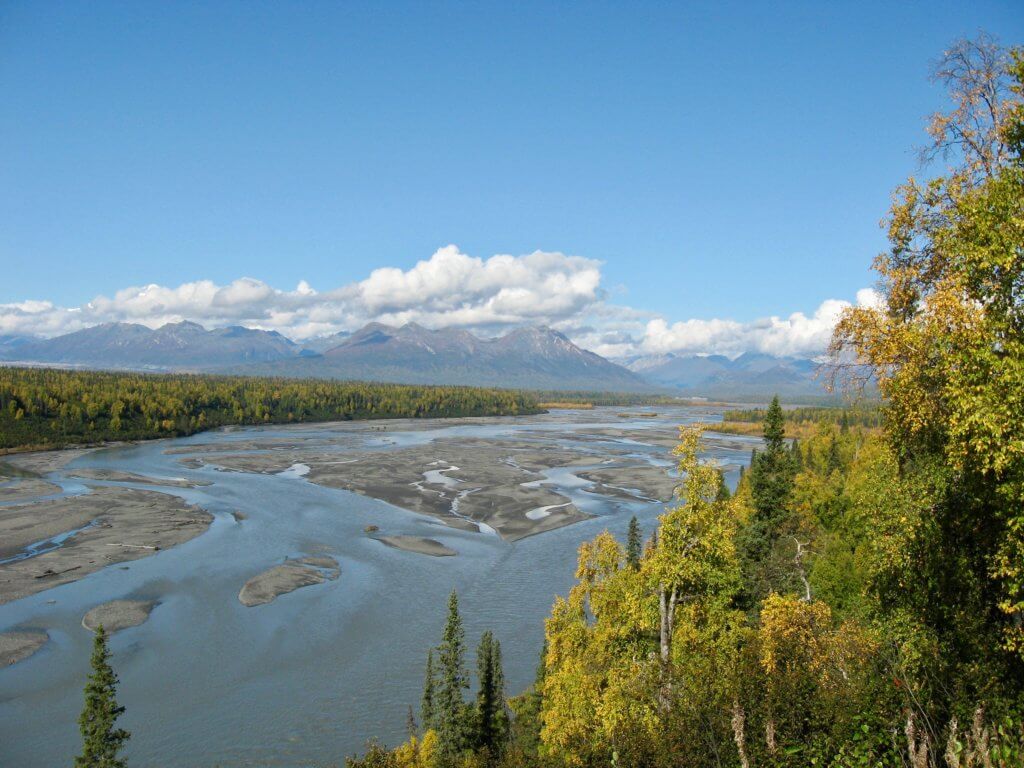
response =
{"points": [[533, 358], [752, 374]]}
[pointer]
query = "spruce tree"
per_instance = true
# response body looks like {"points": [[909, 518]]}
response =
{"points": [[427, 706], [771, 471], [832, 460], [724, 494], [774, 427], [490, 700], [101, 741], [633, 544], [796, 456], [450, 711], [410, 723], [771, 476]]}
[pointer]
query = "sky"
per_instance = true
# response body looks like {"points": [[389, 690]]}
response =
{"points": [[647, 177]]}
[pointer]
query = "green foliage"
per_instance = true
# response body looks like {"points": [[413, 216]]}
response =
{"points": [[101, 740], [52, 408]]}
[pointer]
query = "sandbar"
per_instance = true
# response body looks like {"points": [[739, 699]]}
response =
{"points": [[641, 482], [418, 544], [44, 462], [267, 586], [117, 476], [22, 488], [19, 645], [118, 614]]}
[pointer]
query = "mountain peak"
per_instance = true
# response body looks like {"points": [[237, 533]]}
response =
{"points": [[182, 325]]}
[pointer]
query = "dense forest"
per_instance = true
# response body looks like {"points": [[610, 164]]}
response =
{"points": [[858, 600], [52, 408]]}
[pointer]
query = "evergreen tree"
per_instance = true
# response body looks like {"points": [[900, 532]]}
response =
{"points": [[410, 723], [723, 490], [490, 700], [833, 462], [427, 706], [796, 455], [101, 741], [774, 427], [633, 544], [771, 476], [450, 715]]}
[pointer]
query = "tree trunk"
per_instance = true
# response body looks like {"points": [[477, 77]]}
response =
{"points": [[667, 607]]}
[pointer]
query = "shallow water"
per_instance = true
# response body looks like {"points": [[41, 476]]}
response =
{"points": [[307, 679]]}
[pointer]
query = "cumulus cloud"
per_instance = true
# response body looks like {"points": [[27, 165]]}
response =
{"points": [[796, 335], [451, 288], [448, 289]]}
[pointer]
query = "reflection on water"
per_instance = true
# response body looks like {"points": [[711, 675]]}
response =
{"points": [[304, 680]]}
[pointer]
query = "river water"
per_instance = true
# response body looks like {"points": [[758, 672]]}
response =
{"points": [[307, 679]]}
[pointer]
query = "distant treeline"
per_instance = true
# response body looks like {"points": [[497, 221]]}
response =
{"points": [[51, 408], [860, 416], [583, 397]]}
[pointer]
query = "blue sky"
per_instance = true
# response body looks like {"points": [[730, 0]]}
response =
{"points": [[719, 160]]}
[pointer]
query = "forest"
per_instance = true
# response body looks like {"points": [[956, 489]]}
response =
{"points": [[47, 408], [858, 600]]}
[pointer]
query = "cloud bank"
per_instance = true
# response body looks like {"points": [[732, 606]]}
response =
{"points": [[450, 288]]}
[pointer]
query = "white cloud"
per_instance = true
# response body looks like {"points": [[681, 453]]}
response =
{"points": [[450, 288], [796, 335]]}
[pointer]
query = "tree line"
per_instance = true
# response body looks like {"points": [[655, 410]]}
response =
{"points": [[52, 408], [861, 415]]}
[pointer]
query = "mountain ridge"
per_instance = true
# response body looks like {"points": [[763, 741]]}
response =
{"points": [[536, 357]]}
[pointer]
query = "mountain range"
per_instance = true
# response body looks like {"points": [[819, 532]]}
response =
{"points": [[529, 358], [175, 346], [532, 358], [751, 375]]}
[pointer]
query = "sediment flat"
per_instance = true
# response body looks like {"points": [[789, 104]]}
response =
{"points": [[418, 544], [118, 614], [19, 645], [267, 586], [117, 476], [44, 462], [22, 488], [465, 483], [119, 524], [632, 481]]}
